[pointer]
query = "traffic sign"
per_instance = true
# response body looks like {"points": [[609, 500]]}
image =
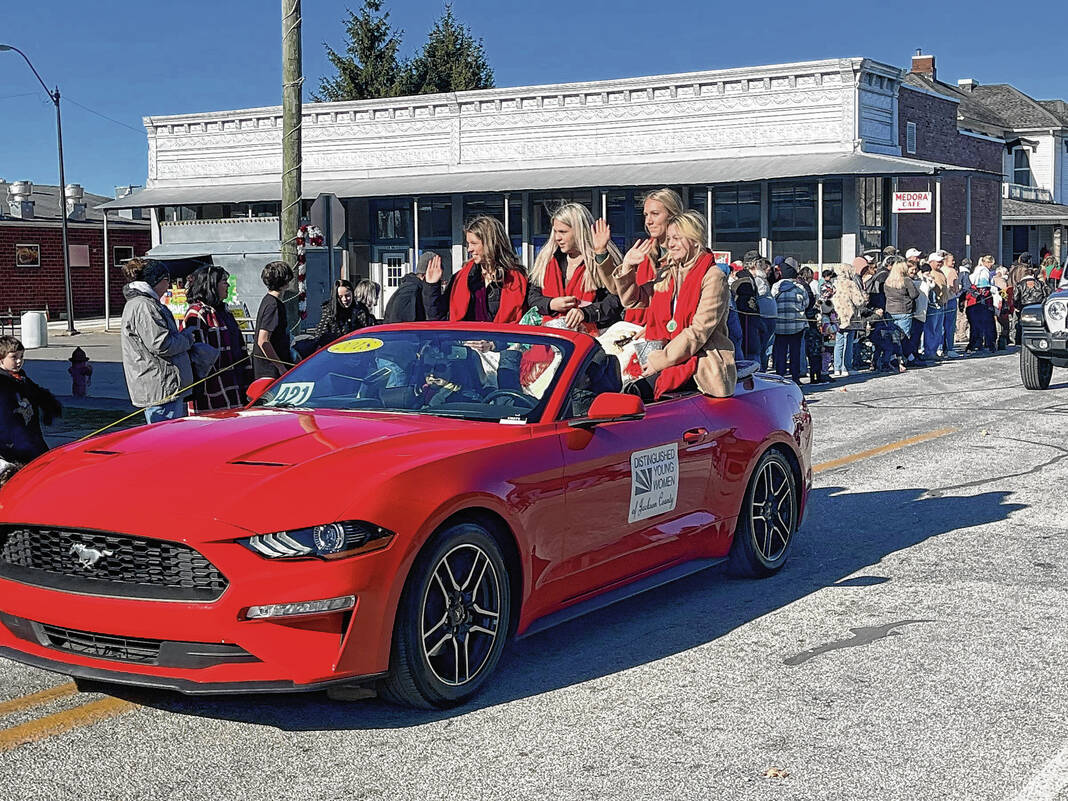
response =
{"points": [[328, 214]]}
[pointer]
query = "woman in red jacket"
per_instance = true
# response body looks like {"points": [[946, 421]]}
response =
{"points": [[659, 207], [564, 281], [491, 286]]}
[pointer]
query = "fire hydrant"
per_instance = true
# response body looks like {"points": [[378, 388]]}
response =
{"points": [[81, 373]]}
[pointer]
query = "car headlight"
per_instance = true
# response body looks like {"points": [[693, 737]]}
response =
{"points": [[1056, 310], [328, 541]]}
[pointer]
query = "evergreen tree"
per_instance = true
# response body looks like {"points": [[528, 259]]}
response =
{"points": [[452, 61], [370, 67]]}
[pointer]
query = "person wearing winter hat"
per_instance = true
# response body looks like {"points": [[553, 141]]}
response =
{"points": [[850, 302]]}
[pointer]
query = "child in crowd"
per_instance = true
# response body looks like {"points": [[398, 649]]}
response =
{"points": [[23, 405]]}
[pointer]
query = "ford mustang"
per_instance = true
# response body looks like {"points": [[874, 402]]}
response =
{"points": [[388, 514]]}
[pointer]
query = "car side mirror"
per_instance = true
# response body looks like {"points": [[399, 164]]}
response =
{"points": [[609, 407], [257, 388]]}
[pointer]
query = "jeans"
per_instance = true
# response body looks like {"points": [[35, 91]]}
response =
{"points": [[932, 331], [765, 331], [734, 331], [949, 324], [914, 339], [788, 345], [165, 411], [843, 350], [904, 322]]}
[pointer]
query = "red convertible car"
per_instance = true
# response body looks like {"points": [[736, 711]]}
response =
{"points": [[389, 513]]}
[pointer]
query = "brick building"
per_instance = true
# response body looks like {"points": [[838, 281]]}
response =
{"points": [[31, 250]]}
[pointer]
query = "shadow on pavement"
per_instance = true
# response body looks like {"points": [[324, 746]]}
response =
{"points": [[838, 540]]}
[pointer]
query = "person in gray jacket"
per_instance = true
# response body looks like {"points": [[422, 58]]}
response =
{"points": [[155, 354]]}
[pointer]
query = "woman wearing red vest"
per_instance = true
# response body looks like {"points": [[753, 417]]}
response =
{"points": [[687, 306], [564, 282], [492, 286], [659, 207]]}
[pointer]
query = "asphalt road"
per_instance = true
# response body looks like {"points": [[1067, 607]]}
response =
{"points": [[912, 648]]}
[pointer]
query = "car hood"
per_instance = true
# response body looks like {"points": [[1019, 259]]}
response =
{"points": [[258, 469]]}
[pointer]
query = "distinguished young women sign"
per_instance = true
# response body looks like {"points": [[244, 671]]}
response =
{"points": [[654, 481]]}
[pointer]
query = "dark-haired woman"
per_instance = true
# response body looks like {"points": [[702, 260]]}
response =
{"points": [[342, 314], [210, 321], [270, 351]]}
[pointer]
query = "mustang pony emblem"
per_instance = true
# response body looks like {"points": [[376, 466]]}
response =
{"points": [[88, 557]]}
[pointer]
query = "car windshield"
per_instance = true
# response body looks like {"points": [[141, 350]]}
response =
{"points": [[466, 374]]}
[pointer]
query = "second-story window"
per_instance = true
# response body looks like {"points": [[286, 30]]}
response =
{"points": [[910, 137], [1021, 167]]}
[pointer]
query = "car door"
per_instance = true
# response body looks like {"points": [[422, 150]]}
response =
{"points": [[635, 492]]}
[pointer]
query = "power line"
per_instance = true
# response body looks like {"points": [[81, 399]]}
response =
{"points": [[139, 131], [23, 94]]}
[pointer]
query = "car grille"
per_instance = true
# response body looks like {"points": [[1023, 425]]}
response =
{"points": [[102, 646], [131, 567]]}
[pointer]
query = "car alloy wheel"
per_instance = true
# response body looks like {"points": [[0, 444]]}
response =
{"points": [[768, 518], [453, 620], [461, 615]]}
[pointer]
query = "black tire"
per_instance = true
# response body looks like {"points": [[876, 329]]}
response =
{"points": [[1035, 371], [767, 519], [459, 588]]}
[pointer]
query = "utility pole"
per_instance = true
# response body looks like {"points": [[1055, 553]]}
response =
{"points": [[292, 79]]}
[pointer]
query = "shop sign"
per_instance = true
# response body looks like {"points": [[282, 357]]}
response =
{"points": [[912, 202]]}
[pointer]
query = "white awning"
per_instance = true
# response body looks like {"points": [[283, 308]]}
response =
{"points": [[698, 171], [197, 250]]}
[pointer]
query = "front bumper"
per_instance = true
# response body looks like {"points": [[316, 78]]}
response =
{"points": [[209, 647], [1041, 342]]}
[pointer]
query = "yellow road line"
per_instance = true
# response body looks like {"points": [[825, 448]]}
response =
{"points": [[38, 698], [893, 446], [84, 715]]}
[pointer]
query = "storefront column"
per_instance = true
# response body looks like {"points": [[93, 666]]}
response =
{"points": [[893, 217], [708, 214], [968, 218], [457, 233], [938, 212], [819, 223], [604, 205], [507, 222], [765, 224], [1057, 246], [528, 250], [415, 234]]}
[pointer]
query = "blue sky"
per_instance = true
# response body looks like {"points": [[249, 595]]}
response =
{"points": [[126, 60]]}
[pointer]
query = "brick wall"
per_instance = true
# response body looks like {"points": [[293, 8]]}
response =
{"points": [[938, 139], [34, 288]]}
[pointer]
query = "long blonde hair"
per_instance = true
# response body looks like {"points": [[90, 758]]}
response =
{"points": [[898, 274], [578, 218], [497, 253]]}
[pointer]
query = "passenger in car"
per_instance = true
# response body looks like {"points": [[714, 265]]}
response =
{"points": [[659, 207], [564, 282], [687, 307], [491, 286]]}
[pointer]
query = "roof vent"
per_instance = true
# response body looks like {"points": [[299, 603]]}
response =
{"points": [[19, 203], [967, 84], [75, 202], [924, 65]]}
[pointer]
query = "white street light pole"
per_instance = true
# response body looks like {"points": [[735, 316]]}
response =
{"points": [[54, 97]]}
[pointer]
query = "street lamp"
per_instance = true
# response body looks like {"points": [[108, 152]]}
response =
{"points": [[54, 97]]}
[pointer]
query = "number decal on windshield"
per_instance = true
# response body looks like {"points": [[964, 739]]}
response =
{"points": [[296, 393]]}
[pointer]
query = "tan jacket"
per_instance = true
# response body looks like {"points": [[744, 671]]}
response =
{"points": [[938, 278], [706, 337]]}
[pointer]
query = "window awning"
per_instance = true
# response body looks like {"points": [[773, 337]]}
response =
{"points": [[199, 250], [685, 172]]}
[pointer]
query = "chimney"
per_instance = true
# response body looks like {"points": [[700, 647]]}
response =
{"points": [[19, 203], [967, 84], [924, 65], [75, 202]]}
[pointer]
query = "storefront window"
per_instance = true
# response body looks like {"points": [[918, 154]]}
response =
{"points": [[392, 221], [832, 222], [435, 228], [493, 206], [736, 219], [872, 205]]}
